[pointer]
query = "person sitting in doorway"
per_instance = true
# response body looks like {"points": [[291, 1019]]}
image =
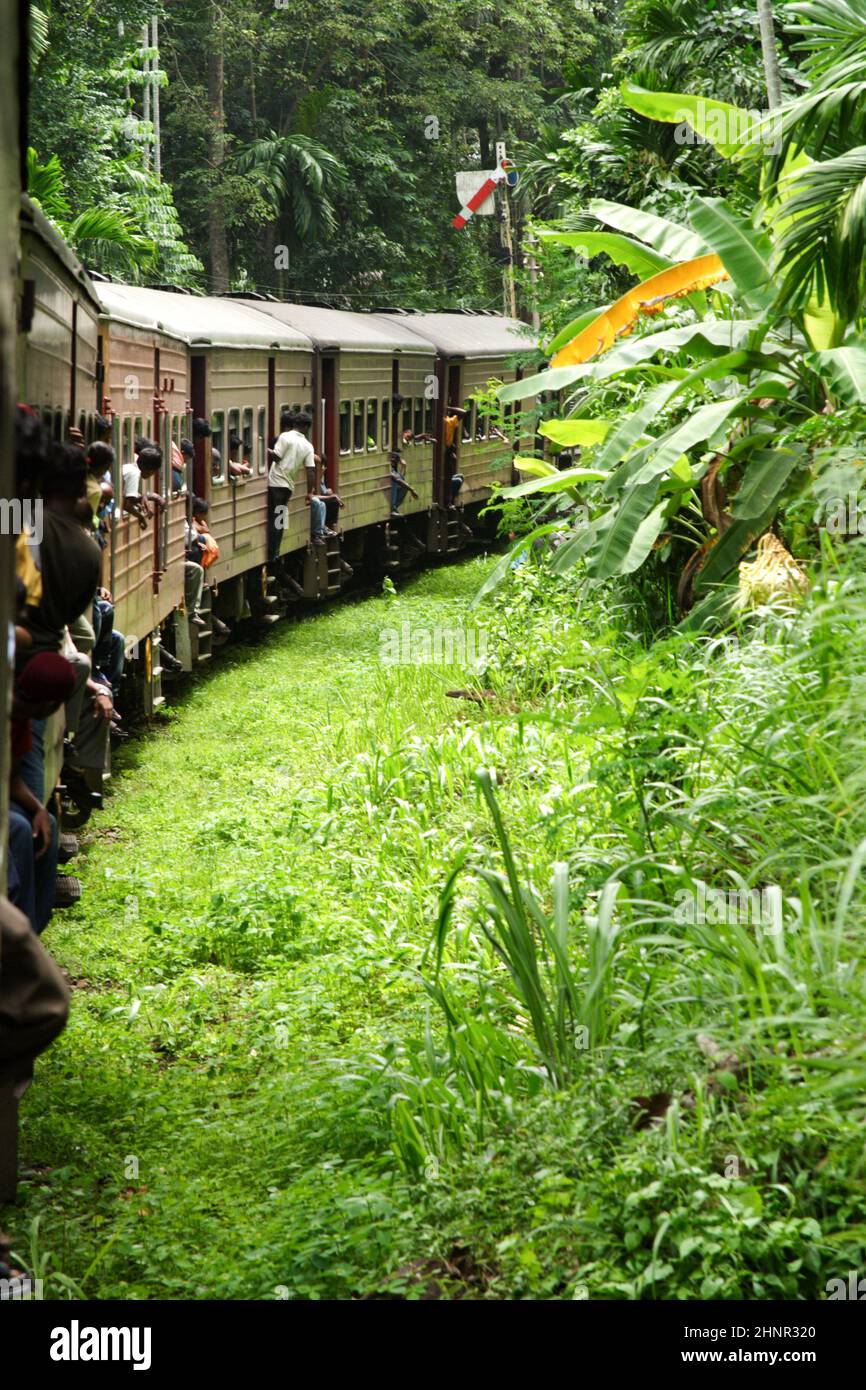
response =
{"points": [[399, 485]]}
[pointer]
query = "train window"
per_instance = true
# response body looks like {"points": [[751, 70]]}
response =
{"points": [[247, 438], [345, 436], [261, 444], [386, 424], [218, 446], [233, 440], [428, 415], [372, 423], [126, 441], [418, 417], [468, 421], [358, 442], [482, 426]]}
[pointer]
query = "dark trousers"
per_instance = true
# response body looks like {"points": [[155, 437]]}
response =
{"points": [[278, 497], [107, 655], [31, 880]]}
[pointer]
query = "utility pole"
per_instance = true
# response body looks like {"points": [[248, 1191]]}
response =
{"points": [[145, 40], [770, 54], [157, 150], [508, 286]]}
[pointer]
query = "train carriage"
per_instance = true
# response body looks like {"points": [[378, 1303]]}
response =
{"points": [[472, 349], [57, 349], [363, 365], [237, 364]]}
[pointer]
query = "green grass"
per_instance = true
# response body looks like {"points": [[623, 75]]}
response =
{"points": [[358, 1019]]}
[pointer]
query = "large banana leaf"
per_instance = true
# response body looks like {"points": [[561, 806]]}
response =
{"points": [[554, 482], [744, 251], [679, 280], [766, 477], [731, 130], [536, 468], [731, 546], [569, 433], [702, 339], [572, 329], [621, 543], [845, 370], [622, 250], [667, 238]]}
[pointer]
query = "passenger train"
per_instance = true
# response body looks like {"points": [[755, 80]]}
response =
{"points": [[152, 360]]}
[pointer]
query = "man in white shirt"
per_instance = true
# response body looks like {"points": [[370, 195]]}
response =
{"points": [[292, 452]]}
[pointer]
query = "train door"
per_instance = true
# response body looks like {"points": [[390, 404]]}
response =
{"points": [[448, 453], [328, 443], [201, 447], [162, 437]]}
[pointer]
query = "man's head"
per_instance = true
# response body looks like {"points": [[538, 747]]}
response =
{"points": [[201, 428], [186, 448], [34, 450], [200, 506], [46, 682], [65, 477], [234, 445], [100, 458], [395, 458], [149, 460], [287, 420], [303, 420], [102, 426]]}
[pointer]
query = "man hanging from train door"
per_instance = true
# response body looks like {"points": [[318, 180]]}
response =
{"points": [[292, 450], [454, 416]]}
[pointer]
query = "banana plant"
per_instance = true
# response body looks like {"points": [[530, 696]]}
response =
{"points": [[773, 366]]}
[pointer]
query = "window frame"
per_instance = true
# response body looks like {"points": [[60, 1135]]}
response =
{"points": [[218, 433], [359, 415]]}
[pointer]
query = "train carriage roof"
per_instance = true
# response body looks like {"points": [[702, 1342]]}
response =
{"points": [[33, 220], [340, 329], [468, 335], [198, 320]]}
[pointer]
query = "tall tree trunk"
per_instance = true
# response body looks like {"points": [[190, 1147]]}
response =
{"points": [[157, 137], [771, 57], [217, 240], [145, 42]]}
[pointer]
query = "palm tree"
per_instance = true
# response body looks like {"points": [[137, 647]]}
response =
{"points": [[106, 237], [767, 26], [295, 174], [822, 250]]}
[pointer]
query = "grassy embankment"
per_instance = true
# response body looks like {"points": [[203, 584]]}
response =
{"points": [[266, 1088]]}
